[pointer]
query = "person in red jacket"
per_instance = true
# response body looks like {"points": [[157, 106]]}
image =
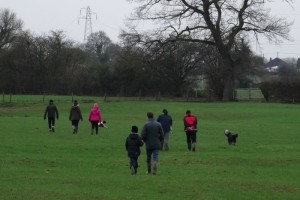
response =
{"points": [[95, 118], [190, 128]]}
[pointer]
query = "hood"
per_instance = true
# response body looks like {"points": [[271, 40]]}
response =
{"points": [[95, 109], [189, 115]]}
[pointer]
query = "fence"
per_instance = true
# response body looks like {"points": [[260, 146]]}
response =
{"points": [[253, 94], [249, 94]]}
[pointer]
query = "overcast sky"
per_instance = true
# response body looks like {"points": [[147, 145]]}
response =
{"points": [[42, 16]]}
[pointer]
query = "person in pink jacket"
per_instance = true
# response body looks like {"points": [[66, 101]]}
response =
{"points": [[95, 118]]}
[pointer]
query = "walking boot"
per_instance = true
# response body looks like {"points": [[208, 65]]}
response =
{"points": [[189, 146], [194, 147], [132, 170], [148, 168], [154, 168]]}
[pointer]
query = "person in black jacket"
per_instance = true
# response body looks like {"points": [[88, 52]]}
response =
{"points": [[166, 122], [132, 145], [51, 112]]}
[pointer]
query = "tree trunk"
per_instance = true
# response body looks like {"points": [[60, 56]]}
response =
{"points": [[228, 91]]}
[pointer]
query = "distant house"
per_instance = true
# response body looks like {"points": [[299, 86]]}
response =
{"points": [[274, 64]]}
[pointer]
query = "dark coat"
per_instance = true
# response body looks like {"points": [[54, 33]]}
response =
{"points": [[166, 122], [51, 111], [132, 144], [152, 134], [75, 113]]}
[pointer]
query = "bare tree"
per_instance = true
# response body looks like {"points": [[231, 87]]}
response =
{"points": [[9, 27], [220, 23]]}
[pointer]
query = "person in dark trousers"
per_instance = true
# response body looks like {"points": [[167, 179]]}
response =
{"points": [[75, 116], [51, 112], [132, 144], [190, 128], [166, 122], [153, 135], [95, 118]]}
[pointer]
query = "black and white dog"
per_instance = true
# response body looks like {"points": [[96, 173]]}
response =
{"points": [[102, 124], [231, 137]]}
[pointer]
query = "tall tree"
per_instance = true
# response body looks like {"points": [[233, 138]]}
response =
{"points": [[9, 27], [98, 44], [220, 23]]}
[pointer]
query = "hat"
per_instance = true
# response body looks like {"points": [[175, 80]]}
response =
{"points": [[134, 129]]}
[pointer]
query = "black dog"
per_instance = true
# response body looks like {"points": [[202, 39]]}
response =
{"points": [[231, 137]]}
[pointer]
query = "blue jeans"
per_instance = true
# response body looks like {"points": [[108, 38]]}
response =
{"points": [[150, 153], [134, 162]]}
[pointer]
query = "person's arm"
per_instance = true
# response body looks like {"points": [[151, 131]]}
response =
{"points": [[70, 114], [56, 111], [46, 111], [196, 122], [161, 133], [184, 123], [126, 144], [143, 134], [141, 143], [80, 115], [90, 114]]}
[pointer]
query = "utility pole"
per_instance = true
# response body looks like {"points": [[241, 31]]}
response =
{"points": [[88, 30]]}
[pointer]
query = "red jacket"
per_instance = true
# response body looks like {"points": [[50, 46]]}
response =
{"points": [[190, 122]]}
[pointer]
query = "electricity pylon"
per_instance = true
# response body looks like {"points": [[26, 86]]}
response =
{"points": [[88, 30]]}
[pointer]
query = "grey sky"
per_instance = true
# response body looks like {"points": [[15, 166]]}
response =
{"points": [[42, 16]]}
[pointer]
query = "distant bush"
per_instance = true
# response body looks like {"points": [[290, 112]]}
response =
{"points": [[286, 89]]}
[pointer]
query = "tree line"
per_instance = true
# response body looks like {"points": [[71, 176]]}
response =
{"points": [[172, 64]]}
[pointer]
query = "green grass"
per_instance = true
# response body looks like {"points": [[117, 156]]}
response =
{"points": [[264, 164]]}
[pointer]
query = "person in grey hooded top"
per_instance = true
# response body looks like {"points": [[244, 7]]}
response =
{"points": [[75, 116], [153, 135]]}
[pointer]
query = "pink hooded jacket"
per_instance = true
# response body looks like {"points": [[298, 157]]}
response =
{"points": [[95, 114]]}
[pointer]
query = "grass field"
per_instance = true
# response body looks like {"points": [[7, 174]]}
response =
{"points": [[264, 164]]}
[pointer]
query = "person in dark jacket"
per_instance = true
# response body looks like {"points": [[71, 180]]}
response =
{"points": [[153, 135], [166, 122], [190, 128], [132, 145], [51, 112], [75, 116]]}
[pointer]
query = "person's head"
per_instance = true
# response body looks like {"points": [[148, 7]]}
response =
{"points": [[165, 111], [75, 103], [95, 105], [50, 101], [188, 112], [150, 115], [134, 129]]}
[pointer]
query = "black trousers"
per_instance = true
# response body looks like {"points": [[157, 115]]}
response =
{"points": [[95, 125], [191, 137], [51, 122]]}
